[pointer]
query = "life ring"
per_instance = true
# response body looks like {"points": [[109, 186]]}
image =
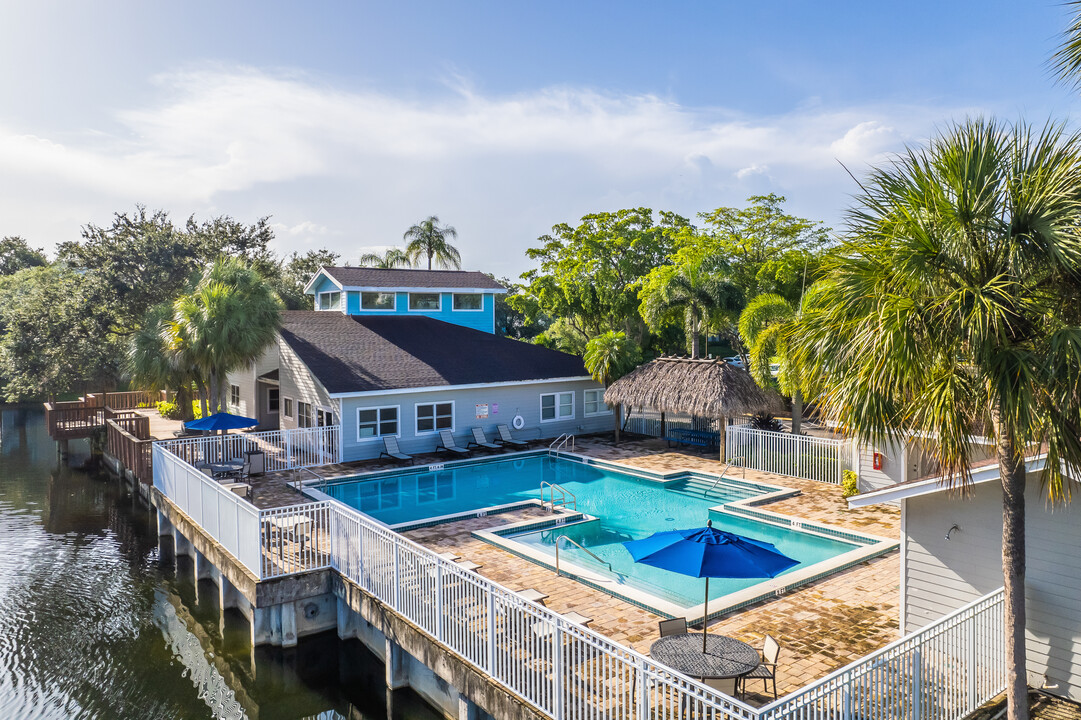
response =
{"points": [[518, 422]]}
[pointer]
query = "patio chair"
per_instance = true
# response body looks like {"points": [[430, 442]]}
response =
{"points": [[767, 670], [245, 470], [675, 626], [481, 442], [392, 451], [726, 686], [446, 442], [506, 439]]}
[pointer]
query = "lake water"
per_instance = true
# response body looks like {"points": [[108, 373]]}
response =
{"points": [[93, 626]]}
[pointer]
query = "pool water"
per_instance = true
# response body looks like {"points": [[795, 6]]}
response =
{"points": [[625, 507]]}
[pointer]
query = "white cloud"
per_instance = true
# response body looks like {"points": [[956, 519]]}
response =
{"points": [[502, 169]]}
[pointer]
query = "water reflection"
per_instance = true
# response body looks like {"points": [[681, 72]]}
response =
{"points": [[93, 624]]}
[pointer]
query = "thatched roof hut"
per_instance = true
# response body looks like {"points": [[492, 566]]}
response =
{"points": [[701, 387]]}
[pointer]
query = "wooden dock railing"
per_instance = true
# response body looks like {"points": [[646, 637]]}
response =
{"points": [[76, 419], [128, 440]]}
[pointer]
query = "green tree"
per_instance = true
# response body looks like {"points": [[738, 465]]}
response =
{"points": [[609, 357], [154, 365], [390, 259], [428, 239], [698, 295], [768, 325], [226, 323], [955, 305], [295, 271], [16, 254], [589, 275]]}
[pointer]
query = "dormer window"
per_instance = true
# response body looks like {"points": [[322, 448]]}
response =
{"points": [[330, 300], [470, 301], [377, 301], [424, 301]]}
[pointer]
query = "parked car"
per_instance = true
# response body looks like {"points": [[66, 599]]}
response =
{"points": [[734, 360]]}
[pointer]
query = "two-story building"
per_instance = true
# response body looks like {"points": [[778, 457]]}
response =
{"points": [[408, 353]]}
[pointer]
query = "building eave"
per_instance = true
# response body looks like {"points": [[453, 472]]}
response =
{"points": [[322, 273], [447, 388], [902, 491], [415, 289]]}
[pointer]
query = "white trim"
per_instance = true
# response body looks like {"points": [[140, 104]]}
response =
{"points": [[324, 273], [378, 421], [409, 302], [278, 390], [904, 565], [434, 430], [291, 415], [450, 388], [471, 294], [422, 288], [556, 394], [935, 484], [319, 300], [360, 301], [607, 410], [239, 398]]}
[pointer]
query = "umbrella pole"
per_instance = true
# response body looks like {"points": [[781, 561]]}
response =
{"points": [[705, 618]]}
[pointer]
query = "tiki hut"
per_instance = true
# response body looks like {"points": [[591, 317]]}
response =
{"points": [[702, 387]]}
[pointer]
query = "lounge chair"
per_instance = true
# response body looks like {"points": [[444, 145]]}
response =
{"points": [[482, 442], [506, 439], [392, 451], [767, 670], [675, 626], [446, 442]]}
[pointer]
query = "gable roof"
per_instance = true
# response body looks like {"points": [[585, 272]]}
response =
{"points": [[363, 278], [364, 353]]}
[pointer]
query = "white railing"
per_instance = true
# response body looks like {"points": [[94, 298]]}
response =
{"points": [[802, 456], [282, 449], [222, 514], [943, 672], [648, 422]]}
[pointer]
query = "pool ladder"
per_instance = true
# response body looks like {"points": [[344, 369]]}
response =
{"points": [[582, 548], [297, 481], [552, 501], [731, 462], [560, 443]]}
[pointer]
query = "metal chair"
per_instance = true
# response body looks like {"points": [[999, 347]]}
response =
{"points": [[506, 439], [767, 670], [446, 442], [727, 686], [480, 441], [391, 450], [675, 626]]}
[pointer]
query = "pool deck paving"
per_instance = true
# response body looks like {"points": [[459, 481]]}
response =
{"points": [[821, 626]]}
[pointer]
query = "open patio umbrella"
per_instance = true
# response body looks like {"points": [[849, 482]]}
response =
{"points": [[221, 421], [707, 552]]}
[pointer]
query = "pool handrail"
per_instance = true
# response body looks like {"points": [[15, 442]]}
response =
{"points": [[721, 476], [563, 493], [580, 547]]}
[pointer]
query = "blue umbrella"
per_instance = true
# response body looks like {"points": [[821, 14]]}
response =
{"points": [[221, 421], [705, 553]]}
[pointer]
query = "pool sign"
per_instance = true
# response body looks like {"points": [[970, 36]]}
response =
{"points": [[482, 411], [495, 408]]}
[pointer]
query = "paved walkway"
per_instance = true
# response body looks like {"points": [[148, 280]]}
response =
{"points": [[821, 626]]}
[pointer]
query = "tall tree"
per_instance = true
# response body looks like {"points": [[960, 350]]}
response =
{"points": [[431, 240], [698, 296], [295, 271], [16, 254], [155, 365], [589, 275], [955, 305], [390, 259], [609, 357]]}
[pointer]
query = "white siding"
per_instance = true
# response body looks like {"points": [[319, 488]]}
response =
{"points": [[250, 405], [894, 457], [941, 575], [297, 382]]}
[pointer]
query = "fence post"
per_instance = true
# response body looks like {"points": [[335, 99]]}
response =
{"points": [[970, 662], [642, 701], [439, 599], [288, 449], [557, 670], [491, 631], [397, 578], [917, 685]]}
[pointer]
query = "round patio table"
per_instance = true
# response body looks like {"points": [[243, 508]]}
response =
{"points": [[725, 657]]}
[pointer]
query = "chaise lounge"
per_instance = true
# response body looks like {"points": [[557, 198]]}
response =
{"points": [[480, 441], [392, 451], [506, 439], [446, 442]]}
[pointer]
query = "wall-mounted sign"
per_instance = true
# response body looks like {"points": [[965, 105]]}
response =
{"points": [[495, 408], [482, 411]]}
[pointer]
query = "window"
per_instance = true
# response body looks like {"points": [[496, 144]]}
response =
{"points": [[330, 300], [435, 416], [272, 395], [324, 418], [376, 422], [377, 301], [234, 395], [424, 301], [305, 415], [287, 407], [594, 403], [472, 301], [557, 406]]}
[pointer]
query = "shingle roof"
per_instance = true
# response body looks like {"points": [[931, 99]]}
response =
{"points": [[360, 353], [410, 278]]}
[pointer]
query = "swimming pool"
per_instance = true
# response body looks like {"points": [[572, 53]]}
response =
{"points": [[612, 507]]}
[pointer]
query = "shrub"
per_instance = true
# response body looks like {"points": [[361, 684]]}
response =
{"points": [[765, 421], [850, 484], [169, 410]]}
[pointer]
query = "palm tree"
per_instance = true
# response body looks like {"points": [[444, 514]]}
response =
{"points": [[392, 258], [428, 239], [699, 295], [230, 319], [609, 357], [954, 305], [154, 366], [767, 325]]}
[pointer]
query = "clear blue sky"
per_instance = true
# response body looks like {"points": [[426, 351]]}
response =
{"points": [[347, 122]]}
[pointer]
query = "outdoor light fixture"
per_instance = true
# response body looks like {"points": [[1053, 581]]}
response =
{"points": [[950, 531]]}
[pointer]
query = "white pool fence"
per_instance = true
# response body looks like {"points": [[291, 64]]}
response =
{"points": [[780, 453]]}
